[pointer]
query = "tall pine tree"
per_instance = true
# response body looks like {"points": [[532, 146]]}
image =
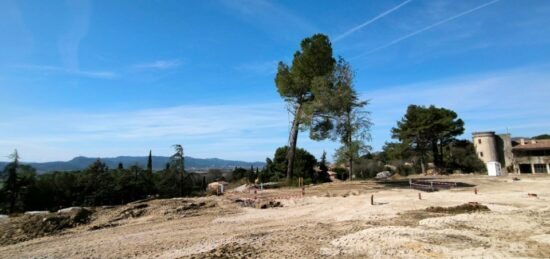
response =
{"points": [[296, 84]]}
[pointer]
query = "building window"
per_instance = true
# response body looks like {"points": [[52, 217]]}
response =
{"points": [[536, 153], [540, 168], [479, 141], [525, 168], [481, 154]]}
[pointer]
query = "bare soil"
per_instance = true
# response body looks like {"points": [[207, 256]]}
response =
{"points": [[331, 220]]}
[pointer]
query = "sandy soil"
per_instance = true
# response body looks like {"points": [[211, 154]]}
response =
{"points": [[332, 220]]}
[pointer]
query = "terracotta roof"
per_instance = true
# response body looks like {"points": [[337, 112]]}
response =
{"points": [[534, 144]]}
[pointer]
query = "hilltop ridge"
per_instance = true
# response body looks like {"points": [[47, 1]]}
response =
{"points": [[159, 162]]}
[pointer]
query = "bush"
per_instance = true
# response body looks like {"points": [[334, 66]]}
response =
{"points": [[82, 216], [368, 168], [275, 169], [405, 170], [341, 173]]}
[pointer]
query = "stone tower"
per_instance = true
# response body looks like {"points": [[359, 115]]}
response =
{"points": [[485, 144]]}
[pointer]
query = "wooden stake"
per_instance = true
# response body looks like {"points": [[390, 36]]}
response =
{"points": [[372, 199]]}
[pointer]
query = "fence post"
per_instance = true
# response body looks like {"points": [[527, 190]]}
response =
{"points": [[419, 196], [372, 199]]}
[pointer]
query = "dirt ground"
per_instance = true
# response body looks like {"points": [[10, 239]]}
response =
{"points": [[332, 220]]}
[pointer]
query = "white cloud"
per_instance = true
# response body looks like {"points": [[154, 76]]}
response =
{"points": [[271, 17], [227, 131], [370, 21], [259, 68], [67, 71], [429, 27], [69, 43], [515, 100], [159, 64], [16, 36]]}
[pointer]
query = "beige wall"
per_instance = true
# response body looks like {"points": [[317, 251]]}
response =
{"points": [[504, 150], [487, 147]]}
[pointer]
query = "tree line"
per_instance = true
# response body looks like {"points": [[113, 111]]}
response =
{"points": [[22, 189], [425, 137]]}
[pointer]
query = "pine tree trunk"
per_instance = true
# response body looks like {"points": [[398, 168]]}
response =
{"points": [[440, 146], [13, 186], [181, 183], [293, 141], [350, 143], [12, 202], [435, 151], [422, 165], [350, 167], [182, 172]]}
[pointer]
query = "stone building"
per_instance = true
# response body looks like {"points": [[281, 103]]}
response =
{"points": [[516, 155]]}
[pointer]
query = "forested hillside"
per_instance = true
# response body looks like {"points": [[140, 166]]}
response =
{"points": [[159, 162]]}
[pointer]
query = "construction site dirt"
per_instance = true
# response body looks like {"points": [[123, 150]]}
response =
{"points": [[496, 217]]}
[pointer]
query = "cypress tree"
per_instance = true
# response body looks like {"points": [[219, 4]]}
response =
{"points": [[150, 163]]}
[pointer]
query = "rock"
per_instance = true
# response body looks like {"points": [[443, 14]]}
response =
{"points": [[270, 204], [37, 212], [134, 212], [241, 188], [433, 171], [141, 206], [216, 188], [69, 209], [383, 175], [82, 216]]}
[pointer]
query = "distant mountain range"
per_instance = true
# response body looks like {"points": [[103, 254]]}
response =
{"points": [[159, 162]]}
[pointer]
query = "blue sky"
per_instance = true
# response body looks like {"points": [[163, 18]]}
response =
{"points": [[108, 78]]}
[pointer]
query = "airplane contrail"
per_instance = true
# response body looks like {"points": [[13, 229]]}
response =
{"points": [[358, 27], [425, 29]]}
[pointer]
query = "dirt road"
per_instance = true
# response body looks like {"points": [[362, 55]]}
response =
{"points": [[332, 220]]}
